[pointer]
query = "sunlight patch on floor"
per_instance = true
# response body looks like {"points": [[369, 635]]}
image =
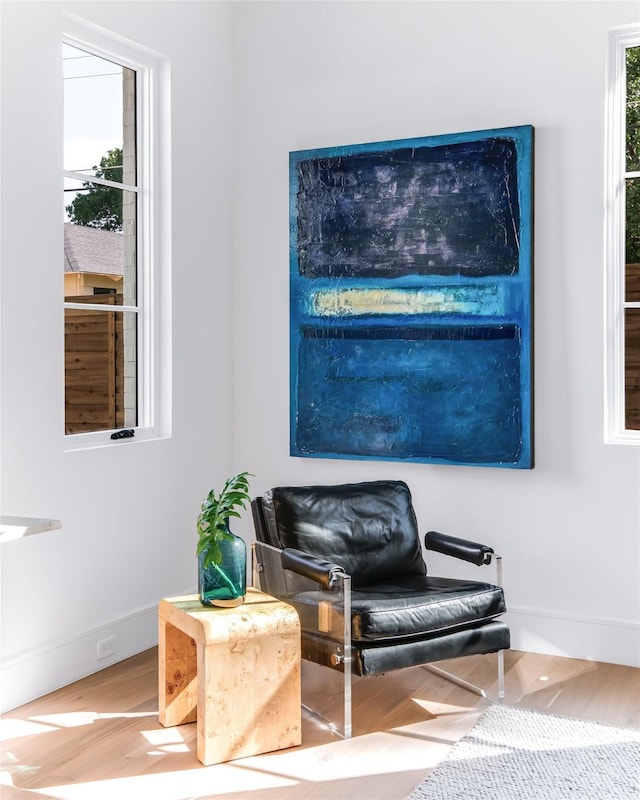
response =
{"points": [[442, 709], [274, 772], [221, 780], [165, 740], [16, 728], [74, 719]]}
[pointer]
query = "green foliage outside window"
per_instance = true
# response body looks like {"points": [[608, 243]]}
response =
{"points": [[632, 244], [100, 206]]}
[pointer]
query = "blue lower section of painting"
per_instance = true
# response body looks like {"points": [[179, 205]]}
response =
{"points": [[399, 393]]}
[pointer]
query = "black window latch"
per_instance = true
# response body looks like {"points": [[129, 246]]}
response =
{"points": [[127, 433]]}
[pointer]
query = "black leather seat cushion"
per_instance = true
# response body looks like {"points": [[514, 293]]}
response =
{"points": [[411, 606], [369, 529], [378, 658]]}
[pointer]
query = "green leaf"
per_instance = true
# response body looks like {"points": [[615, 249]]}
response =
{"points": [[212, 522]]}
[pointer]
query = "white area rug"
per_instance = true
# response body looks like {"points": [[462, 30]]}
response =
{"points": [[517, 754]]}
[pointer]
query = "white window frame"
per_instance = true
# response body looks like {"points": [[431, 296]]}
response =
{"points": [[615, 174], [153, 230]]}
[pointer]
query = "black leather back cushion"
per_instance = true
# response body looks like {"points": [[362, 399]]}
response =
{"points": [[367, 528]]}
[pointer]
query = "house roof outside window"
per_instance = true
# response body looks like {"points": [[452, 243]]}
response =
{"points": [[92, 250]]}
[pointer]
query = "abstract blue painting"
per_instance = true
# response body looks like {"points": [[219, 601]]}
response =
{"points": [[411, 300]]}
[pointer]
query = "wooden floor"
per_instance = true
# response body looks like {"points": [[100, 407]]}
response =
{"points": [[100, 739]]}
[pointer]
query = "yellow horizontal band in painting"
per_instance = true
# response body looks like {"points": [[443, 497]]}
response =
{"points": [[443, 300]]}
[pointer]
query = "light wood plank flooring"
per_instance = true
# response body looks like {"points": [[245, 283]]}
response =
{"points": [[100, 739]]}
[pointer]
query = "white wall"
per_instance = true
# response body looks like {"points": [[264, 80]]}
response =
{"points": [[304, 75], [322, 74], [128, 513]]}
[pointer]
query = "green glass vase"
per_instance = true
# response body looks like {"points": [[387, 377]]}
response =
{"points": [[224, 584]]}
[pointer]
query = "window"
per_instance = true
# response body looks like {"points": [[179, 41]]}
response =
{"points": [[113, 149], [623, 237]]}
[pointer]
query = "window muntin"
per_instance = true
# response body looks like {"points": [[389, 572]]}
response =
{"points": [[101, 243], [623, 238]]}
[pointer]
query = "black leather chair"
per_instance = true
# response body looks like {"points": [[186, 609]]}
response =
{"points": [[349, 559]]}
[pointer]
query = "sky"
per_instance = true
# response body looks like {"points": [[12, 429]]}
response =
{"points": [[92, 108], [92, 112]]}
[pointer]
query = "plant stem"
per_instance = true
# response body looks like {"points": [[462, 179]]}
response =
{"points": [[226, 579]]}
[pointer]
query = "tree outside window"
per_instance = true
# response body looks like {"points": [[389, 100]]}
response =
{"points": [[632, 239]]}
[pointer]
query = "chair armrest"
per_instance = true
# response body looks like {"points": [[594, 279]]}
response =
{"points": [[473, 552], [316, 569]]}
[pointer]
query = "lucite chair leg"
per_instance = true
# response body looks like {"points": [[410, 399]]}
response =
{"points": [[326, 696], [347, 732], [448, 676], [501, 676], [324, 721], [471, 687]]}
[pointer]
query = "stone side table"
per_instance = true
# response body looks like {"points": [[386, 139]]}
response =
{"points": [[235, 671]]}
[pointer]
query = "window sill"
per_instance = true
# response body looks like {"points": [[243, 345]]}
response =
{"points": [[624, 437], [101, 439], [18, 527]]}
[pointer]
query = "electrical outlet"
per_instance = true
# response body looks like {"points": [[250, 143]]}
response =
{"points": [[107, 647]]}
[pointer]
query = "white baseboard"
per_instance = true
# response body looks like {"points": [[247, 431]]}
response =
{"points": [[607, 640], [40, 671]]}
